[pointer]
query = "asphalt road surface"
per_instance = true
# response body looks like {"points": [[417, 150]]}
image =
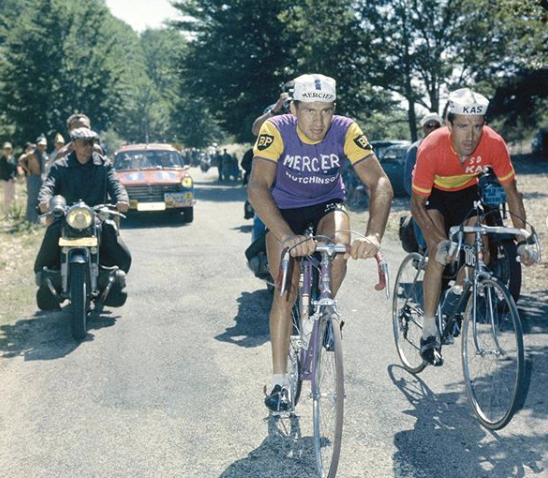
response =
{"points": [[170, 385]]}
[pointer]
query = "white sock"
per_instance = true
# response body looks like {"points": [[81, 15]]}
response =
{"points": [[429, 327], [278, 379]]}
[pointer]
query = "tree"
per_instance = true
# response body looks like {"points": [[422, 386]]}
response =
{"points": [[237, 60]]}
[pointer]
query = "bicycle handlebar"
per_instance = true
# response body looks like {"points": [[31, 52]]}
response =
{"points": [[286, 266], [457, 232]]}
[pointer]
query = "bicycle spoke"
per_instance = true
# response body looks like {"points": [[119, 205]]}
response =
{"points": [[407, 312], [328, 395], [492, 353]]}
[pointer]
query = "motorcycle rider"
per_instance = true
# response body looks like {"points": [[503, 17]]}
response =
{"points": [[82, 175]]}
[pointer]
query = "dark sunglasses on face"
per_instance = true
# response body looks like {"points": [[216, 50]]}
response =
{"points": [[87, 142], [432, 125]]}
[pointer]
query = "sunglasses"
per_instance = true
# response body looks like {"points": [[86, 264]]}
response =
{"points": [[87, 142], [432, 125]]}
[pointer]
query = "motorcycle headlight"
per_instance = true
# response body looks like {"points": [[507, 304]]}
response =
{"points": [[79, 217], [186, 182]]}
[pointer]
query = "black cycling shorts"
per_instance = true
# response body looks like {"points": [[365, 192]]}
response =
{"points": [[300, 218], [453, 205]]}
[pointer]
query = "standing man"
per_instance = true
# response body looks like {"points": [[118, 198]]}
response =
{"points": [[34, 164], [449, 162], [8, 173], [58, 143], [296, 180]]}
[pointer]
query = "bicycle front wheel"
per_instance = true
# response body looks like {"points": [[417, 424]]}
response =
{"points": [[407, 311], [492, 354], [328, 395]]}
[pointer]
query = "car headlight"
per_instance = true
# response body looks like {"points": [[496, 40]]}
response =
{"points": [[79, 217], [186, 182]]}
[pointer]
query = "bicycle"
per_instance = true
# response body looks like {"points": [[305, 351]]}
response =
{"points": [[486, 316], [315, 352]]}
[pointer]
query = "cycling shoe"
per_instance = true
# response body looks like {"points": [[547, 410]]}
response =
{"points": [[278, 400], [431, 351]]}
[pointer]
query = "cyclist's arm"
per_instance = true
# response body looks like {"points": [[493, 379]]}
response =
{"points": [[373, 176], [263, 174]]}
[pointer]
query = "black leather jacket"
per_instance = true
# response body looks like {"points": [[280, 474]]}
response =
{"points": [[95, 182]]}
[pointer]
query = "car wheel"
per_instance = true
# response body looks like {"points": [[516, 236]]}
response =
{"points": [[188, 215]]}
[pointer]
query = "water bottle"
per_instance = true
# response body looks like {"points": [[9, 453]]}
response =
{"points": [[451, 300]]}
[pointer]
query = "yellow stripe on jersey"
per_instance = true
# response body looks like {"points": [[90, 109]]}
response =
{"points": [[453, 182], [269, 144], [356, 145], [510, 175]]}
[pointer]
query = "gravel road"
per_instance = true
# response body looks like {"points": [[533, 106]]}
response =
{"points": [[170, 385]]}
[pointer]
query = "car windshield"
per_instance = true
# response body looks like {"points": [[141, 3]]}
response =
{"points": [[131, 160]]}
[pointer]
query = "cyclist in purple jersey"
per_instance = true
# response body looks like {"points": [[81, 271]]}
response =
{"points": [[296, 181]]}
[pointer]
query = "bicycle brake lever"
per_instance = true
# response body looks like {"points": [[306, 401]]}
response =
{"points": [[383, 274], [281, 281]]}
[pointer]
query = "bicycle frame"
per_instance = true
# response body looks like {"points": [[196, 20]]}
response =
{"points": [[325, 298]]}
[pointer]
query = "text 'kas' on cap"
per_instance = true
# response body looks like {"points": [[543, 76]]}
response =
{"points": [[467, 102]]}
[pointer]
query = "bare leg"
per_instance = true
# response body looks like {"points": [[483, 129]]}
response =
{"points": [[336, 221]]}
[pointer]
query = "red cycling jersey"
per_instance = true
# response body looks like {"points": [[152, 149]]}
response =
{"points": [[438, 164]]}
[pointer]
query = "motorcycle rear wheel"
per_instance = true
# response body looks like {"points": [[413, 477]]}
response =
{"points": [[78, 301]]}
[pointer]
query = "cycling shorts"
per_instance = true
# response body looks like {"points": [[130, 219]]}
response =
{"points": [[300, 218], [454, 206]]}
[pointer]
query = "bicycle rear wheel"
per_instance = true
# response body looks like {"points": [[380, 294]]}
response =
{"points": [[492, 354], [407, 311], [328, 395]]}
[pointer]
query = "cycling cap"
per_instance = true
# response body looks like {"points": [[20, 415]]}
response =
{"points": [[309, 88], [59, 139], [83, 133], [431, 117], [465, 102]]}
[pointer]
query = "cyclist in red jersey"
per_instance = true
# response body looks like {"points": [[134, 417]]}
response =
{"points": [[445, 187]]}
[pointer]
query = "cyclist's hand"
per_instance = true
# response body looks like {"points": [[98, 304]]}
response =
{"points": [[527, 254], [299, 245], [44, 207], [364, 248], [122, 206]]}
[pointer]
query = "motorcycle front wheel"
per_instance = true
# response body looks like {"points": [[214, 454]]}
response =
{"points": [[78, 300]]}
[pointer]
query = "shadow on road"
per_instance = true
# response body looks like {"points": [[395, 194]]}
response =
{"points": [[283, 453], [448, 441], [47, 335], [251, 329]]}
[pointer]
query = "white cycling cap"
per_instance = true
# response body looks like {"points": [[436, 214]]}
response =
{"points": [[466, 102], [83, 133], [309, 88], [432, 117]]}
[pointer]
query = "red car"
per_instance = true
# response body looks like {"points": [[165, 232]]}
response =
{"points": [[156, 178]]}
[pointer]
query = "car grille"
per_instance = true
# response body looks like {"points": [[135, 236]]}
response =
{"points": [[151, 193]]}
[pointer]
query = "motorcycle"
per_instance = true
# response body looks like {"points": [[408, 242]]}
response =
{"points": [[82, 279]]}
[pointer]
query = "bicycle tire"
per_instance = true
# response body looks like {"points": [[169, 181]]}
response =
{"points": [[408, 313], [328, 395], [494, 372]]}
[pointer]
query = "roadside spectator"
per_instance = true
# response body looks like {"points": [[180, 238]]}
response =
{"points": [[8, 173], [281, 107], [246, 164], [430, 122], [58, 143], [34, 164], [226, 161]]}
